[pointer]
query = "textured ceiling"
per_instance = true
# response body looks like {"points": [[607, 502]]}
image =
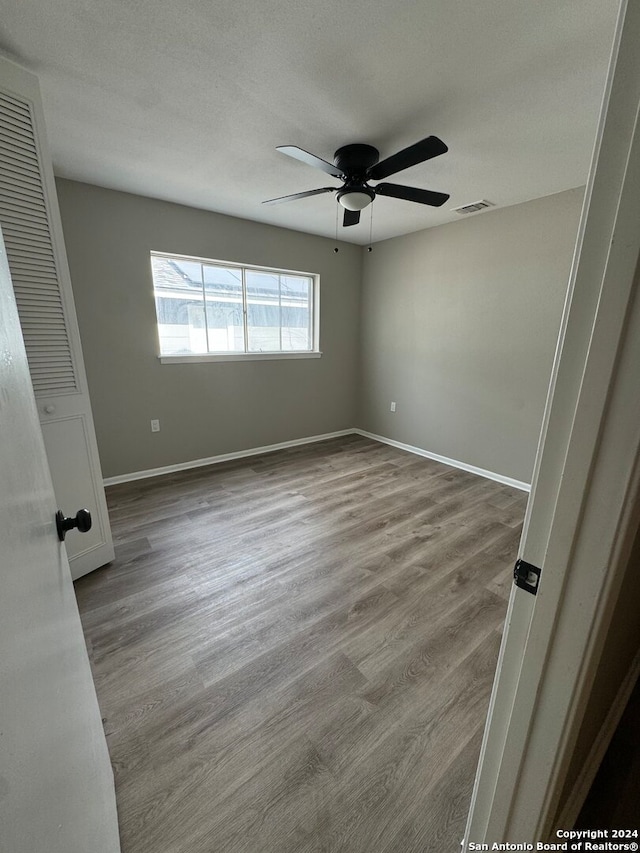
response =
{"points": [[186, 100]]}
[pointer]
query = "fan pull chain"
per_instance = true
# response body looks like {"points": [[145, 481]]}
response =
{"points": [[370, 247], [336, 249]]}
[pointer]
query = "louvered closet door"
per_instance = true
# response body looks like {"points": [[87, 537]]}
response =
{"points": [[30, 222]]}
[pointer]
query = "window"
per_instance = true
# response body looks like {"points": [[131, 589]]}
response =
{"points": [[210, 310]]}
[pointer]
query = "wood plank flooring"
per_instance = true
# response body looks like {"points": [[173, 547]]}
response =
{"points": [[294, 652]]}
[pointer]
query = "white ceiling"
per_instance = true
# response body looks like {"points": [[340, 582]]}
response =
{"points": [[186, 100]]}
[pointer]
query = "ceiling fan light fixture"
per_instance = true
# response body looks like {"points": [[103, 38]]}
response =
{"points": [[356, 199]]}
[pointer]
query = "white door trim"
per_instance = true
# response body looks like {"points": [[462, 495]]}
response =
{"points": [[580, 518]]}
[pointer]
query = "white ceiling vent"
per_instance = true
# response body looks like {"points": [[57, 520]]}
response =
{"points": [[473, 207]]}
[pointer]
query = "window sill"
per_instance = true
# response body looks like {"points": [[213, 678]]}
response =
{"points": [[244, 356]]}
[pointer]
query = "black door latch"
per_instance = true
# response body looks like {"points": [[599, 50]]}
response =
{"points": [[526, 576]]}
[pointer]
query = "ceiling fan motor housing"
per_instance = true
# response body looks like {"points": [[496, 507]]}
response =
{"points": [[355, 160]]}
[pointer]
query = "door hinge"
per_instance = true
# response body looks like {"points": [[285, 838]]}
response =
{"points": [[526, 576]]}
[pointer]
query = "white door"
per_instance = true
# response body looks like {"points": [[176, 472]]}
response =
{"points": [[582, 515], [30, 221], [56, 785]]}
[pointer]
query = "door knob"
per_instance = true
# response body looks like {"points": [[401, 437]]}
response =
{"points": [[82, 521]]}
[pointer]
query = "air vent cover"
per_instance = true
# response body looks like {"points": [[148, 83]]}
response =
{"points": [[473, 207]]}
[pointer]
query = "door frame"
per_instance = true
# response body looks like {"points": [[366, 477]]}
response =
{"points": [[582, 515]]}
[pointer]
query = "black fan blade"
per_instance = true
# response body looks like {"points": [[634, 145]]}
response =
{"points": [[412, 194], [300, 195], [411, 156], [351, 217], [310, 159]]}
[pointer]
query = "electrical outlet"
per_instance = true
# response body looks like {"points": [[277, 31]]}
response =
{"points": [[155, 426], [393, 407]]}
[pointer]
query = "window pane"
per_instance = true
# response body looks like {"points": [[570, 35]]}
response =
{"points": [[278, 312], [179, 305], [223, 293], [263, 311], [296, 312], [208, 306]]}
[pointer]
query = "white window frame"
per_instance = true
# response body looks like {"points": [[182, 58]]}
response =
{"points": [[186, 358]]}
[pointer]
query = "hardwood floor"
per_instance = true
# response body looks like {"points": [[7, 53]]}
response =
{"points": [[294, 652]]}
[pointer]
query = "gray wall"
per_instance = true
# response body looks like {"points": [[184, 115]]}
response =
{"points": [[209, 408], [459, 328], [457, 324]]}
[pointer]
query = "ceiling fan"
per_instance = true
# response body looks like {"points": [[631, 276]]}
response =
{"points": [[355, 165]]}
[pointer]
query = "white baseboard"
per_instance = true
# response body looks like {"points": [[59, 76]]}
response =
{"points": [[268, 448], [223, 457], [582, 786], [454, 463]]}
